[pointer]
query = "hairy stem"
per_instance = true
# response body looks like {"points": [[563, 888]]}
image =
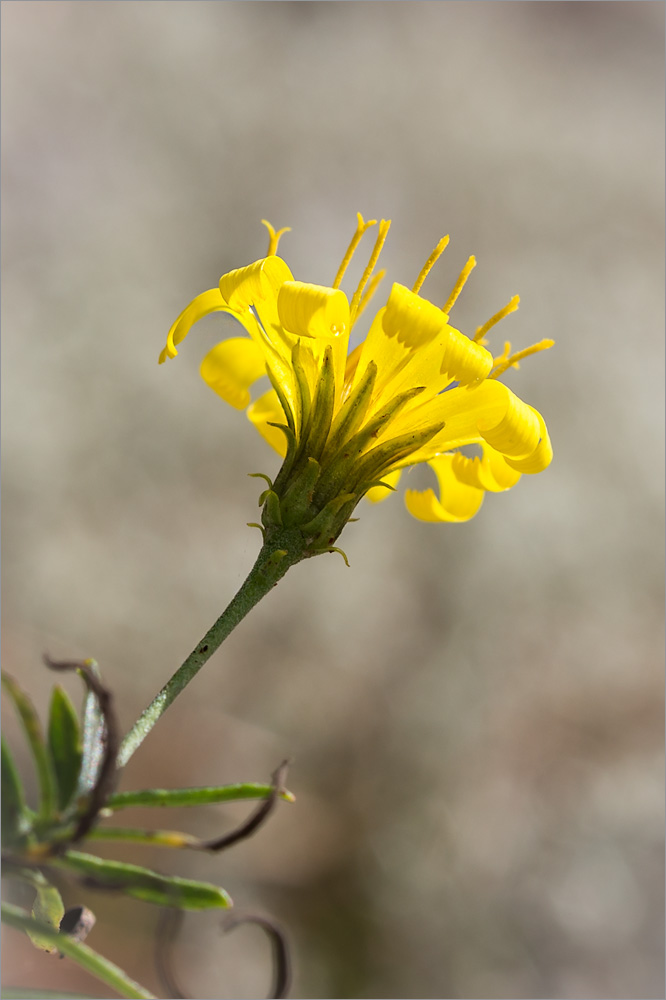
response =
{"points": [[284, 549]]}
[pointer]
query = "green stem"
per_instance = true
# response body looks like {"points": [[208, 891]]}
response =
{"points": [[284, 549], [80, 953]]}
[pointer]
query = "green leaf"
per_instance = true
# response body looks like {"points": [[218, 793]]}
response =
{"points": [[192, 796], [80, 953], [65, 745], [15, 822], [142, 883], [47, 909], [20, 993], [93, 741], [35, 737]]}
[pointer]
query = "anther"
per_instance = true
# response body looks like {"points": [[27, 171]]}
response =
{"points": [[274, 237], [384, 227], [361, 228], [507, 360], [459, 285], [432, 259], [510, 307]]}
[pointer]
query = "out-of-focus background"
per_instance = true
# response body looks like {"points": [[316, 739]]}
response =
{"points": [[474, 712]]}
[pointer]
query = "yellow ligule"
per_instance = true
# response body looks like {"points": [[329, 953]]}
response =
{"points": [[459, 285], [274, 237], [253, 284], [312, 310], [458, 501], [510, 307], [431, 261], [490, 472], [412, 319], [201, 306], [231, 368], [517, 433], [542, 455], [463, 360]]}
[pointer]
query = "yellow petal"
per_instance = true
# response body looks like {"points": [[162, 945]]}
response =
{"points": [[208, 302], [267, 408], [231, 368], [542, 455], [378, 493], [488, 411], [491, 472], [255, 284], [313, 310], [463, 360], [412, 320], [457, 501], [516, 433]]}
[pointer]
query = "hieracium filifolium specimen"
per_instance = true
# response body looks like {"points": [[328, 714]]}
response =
{"points": [[347, 423]]}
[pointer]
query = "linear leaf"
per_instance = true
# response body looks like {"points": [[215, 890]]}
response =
{"points": [[47, 909], [64, 741], [35, 736], [93, 741], [20, 993], [14, 814], [192, 796], [80, 953], [142, 883]]}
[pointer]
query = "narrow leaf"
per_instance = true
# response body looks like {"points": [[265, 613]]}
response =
{"points": [[19, 993], [14, 814], [35, 736], [93, 741], [192, 796], [142, 883], [47, 909], [65, 745], [80, 953]]}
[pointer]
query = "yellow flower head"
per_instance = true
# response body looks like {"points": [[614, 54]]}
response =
{"points": [[415, 390]]}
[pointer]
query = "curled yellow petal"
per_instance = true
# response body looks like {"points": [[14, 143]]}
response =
{"points": [[457, 501], [463, 360], [254, 284], [208, 302], [542, 455], [265, 411], [517, 433], [490, 472], [313, 310], [231, 367], [411, 319]]}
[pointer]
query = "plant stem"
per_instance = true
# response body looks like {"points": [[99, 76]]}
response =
{"points": [[80, 953], [284, 549]]}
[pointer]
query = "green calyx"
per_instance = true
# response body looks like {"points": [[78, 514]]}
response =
{"points": [[331, 462]]}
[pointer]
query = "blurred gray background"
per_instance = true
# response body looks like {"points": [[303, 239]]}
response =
{"points": [[474, 712]]}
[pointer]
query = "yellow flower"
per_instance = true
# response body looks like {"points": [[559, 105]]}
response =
{"points": [[415, 390]]}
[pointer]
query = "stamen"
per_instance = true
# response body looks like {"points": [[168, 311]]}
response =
{"points": [[507, 360], [274, 237], [432, 259], [459, 285], [508, 308], [369, 292], [361, 228], [384, 227]]}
